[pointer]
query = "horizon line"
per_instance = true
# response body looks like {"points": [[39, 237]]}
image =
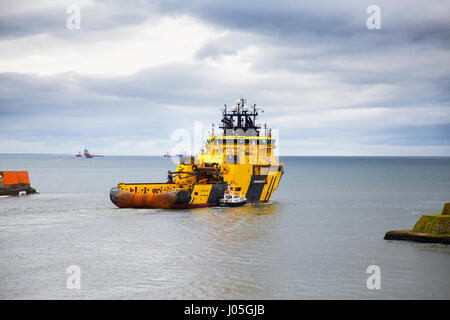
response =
{"points": [[153, 155]]}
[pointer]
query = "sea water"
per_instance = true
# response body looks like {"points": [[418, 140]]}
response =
{"points": [[316, 239]]}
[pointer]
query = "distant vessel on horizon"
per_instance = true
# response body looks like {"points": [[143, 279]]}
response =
{"points": [[167, 155], [87, 154]]}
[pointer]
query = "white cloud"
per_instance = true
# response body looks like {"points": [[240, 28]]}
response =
{"points": [[116, 52]]}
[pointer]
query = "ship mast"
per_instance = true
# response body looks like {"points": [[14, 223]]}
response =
{"points": [[240, 117]]}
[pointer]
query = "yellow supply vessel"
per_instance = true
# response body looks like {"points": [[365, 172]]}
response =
{"points": [[241, 159]]}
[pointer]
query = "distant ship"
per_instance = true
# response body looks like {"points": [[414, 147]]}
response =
{"points": [[87, 154], [167, 155]]}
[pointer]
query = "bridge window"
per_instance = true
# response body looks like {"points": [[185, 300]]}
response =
{"points": [[230, 142], [232, 159]]}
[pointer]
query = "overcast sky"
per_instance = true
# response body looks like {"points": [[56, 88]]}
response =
{"points": [[137, 70]]}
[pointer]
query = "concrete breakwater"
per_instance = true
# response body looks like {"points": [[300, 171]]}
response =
{"points": [[432, 228]]}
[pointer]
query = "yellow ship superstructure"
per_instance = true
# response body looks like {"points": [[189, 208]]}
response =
{"points": [[241, 159]]}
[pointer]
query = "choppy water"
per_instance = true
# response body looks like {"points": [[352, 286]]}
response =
{"points": [[324, 227]]}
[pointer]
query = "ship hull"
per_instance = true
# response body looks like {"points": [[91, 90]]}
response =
{"points": [[125, 199], [153, 196], [233, 204], [165, 200], [176, 199]]}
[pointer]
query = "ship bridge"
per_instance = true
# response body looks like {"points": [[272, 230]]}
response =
{"points": [[241, 141]]}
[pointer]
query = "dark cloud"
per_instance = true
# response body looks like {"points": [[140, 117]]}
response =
{"points": [[433, 135], [149, 103], [323, 20], [152, 103], [52, 20], [34, 22]]}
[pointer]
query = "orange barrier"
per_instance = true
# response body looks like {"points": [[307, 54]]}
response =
{"points": [[15, 177]]}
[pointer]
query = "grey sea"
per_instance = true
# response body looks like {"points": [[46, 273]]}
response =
{"points": [[316, 238]]}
